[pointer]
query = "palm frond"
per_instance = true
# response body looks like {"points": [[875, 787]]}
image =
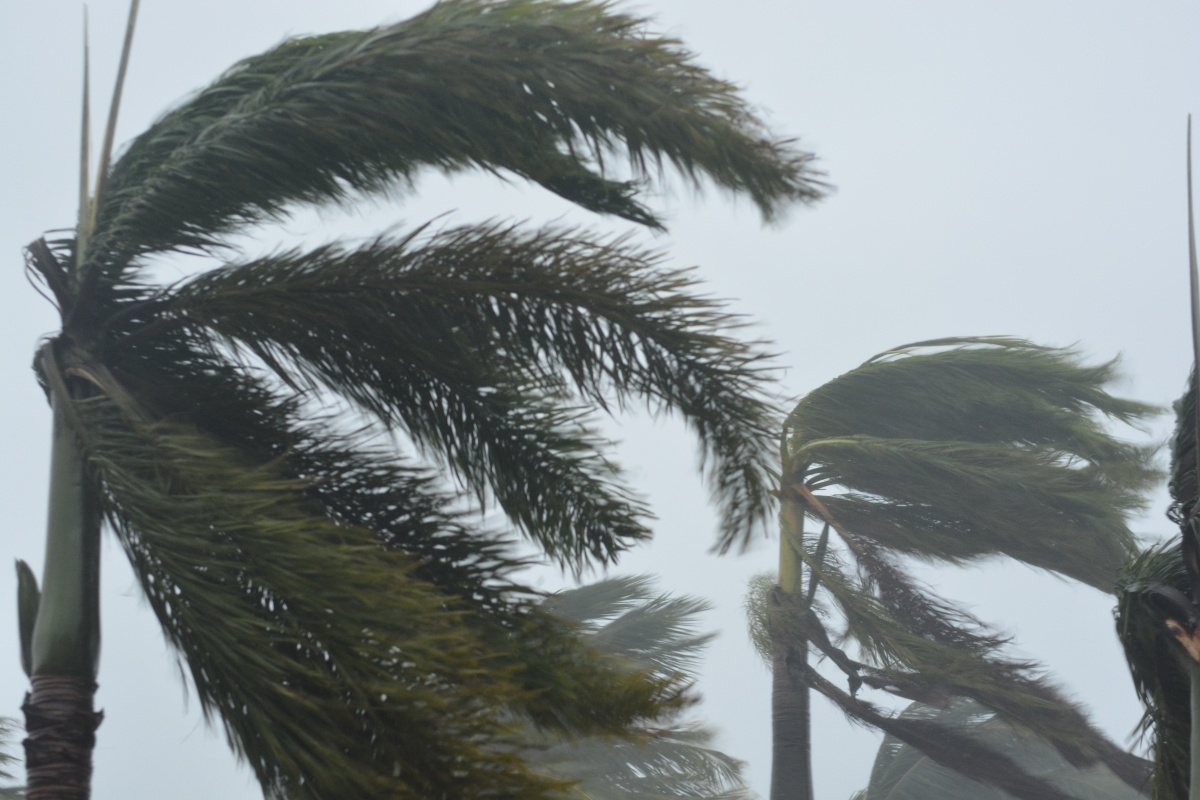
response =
{"points": [[989, 447], [966, 755], [538, 321], [1158, 669], [546, 90], [919, 646], [311, 638], [8, 728]]}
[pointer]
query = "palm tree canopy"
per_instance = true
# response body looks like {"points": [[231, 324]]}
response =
{"points": [[954, 450], [958, 449], [337, 603]]}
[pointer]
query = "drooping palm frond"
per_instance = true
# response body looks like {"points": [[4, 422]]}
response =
{"points": [[8, 727], [309, 638], [989, 447], [1156, 663], [954, 450], [526, 313], [546, 90], [902, 772], [624, 619]]}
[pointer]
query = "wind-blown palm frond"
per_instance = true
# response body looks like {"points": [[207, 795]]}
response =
{"points": [[625, 620], [7, 728], [1156, 663], [305, 635], [965, 452], [902, 772], [335, 596], [954, 450], [543, 89], [526, 311]]}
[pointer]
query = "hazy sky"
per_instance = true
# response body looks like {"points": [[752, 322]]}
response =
{"points": [[1001, 168]]}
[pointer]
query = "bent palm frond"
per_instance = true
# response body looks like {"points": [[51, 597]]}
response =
{"points": [[991, 447], [546, 90], [543, 324]]}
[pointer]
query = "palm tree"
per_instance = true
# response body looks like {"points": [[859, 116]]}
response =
{"points": [[1158, 615], [625, 620], [354, 626], [950, 451]]}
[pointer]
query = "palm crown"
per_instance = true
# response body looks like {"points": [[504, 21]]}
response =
{"points": [[352, 625], [948, 451]]}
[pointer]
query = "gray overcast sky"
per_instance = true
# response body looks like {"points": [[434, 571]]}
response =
{"points": [[1001, 167]]}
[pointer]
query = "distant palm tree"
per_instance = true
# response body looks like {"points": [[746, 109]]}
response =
{"points": [[353, 626], [950, 451], [645, 633]]}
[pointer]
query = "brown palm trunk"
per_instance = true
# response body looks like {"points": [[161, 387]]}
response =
{"points": [[61, 726]]}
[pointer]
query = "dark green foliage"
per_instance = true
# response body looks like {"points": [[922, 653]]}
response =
{"points": [[1157, 664], [990, 447], [536, 318], [329, 584], [549, 91], [8, 727], [954, 450]]}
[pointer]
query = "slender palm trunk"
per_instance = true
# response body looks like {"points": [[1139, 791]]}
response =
{"points": [[64, 645], [791, 730], [791, 727]]}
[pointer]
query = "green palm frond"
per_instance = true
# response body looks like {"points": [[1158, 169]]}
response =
{"points": [[1158, 668], [8, 727], [991, 447], [647, 633], [526, 310], [549, 91], [309, 637], [902, 772]]}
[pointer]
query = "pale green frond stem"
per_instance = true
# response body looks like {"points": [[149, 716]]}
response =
{"points": [[111, 128], [65, 638], [83, 226]]}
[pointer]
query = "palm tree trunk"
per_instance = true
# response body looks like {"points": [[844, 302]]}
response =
{"points": [[64, 645], [791, 726], [61, 727], [791, 729]]}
